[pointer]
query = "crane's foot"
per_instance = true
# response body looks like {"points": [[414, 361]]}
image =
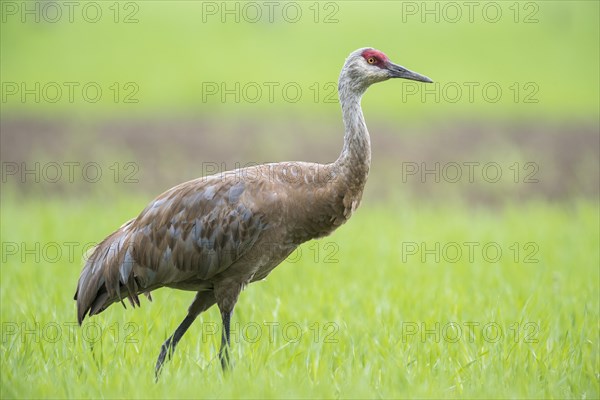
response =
{"points": [[166, 349], [225, 359]]}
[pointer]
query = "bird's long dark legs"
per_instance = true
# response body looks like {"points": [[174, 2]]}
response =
{"points": [[202, 302], [169, 345], [225, 340], [226, 294]]}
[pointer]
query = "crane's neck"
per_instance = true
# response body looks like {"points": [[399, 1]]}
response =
{"points": [[355, 160]]}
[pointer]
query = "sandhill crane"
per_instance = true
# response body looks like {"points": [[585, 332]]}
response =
{"points": [[216, 234]]}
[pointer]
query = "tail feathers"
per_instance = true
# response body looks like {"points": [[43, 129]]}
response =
{"points": [[107, 276]]}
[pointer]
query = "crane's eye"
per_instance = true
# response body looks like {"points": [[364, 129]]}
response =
{"points": [[371, 60]]}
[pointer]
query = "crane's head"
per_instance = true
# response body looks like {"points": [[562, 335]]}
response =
{"points": [[367, 66]]}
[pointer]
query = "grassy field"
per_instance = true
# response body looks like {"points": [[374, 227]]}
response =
{"points": [[435, 288], [375, 310]]}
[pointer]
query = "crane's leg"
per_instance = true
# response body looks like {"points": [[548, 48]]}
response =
{"points": [[202, 302], [225, 340], [226, 293]]}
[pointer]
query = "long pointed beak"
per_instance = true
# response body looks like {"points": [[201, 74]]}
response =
{"points": [[398, 71]]}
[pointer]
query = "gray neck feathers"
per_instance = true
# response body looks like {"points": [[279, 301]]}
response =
{"points": [[355, 159]]}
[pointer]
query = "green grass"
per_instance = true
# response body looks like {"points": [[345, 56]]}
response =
{"points": [[355, 295], [379, 315]]}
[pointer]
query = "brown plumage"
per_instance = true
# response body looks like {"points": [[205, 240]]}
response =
{"points": [[216, 234]]}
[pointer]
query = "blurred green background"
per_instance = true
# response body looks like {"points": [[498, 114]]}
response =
{"points": [[124, 100]]}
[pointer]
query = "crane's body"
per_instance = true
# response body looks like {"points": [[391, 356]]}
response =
{"points": [[216, 234], [224, 230]]}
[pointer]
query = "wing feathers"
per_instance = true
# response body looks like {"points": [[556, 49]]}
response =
{"points": [[188, 234]]}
